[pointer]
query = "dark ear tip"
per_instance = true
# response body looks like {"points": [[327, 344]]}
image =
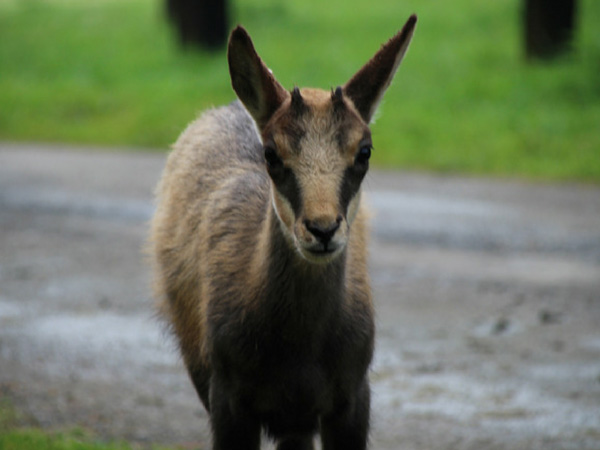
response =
{"points": [[239, 33], [411, 22]]}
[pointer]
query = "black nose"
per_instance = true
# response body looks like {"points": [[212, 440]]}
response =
{"points": [[323, 233]]}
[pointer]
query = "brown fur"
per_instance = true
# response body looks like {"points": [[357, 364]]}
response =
{"points": [[261, 271]]}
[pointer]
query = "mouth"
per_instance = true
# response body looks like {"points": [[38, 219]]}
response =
{"points": [[323, 248], [321, 253]]}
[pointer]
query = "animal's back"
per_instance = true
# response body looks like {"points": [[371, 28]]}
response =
{"points": [[212, 197], [222, 143]]}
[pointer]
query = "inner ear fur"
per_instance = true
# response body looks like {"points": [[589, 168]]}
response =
{"points": [[367, 86], [252, 81]]}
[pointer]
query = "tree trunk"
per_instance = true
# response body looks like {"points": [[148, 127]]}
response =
{"points": [[549, 27], [199, 23]]}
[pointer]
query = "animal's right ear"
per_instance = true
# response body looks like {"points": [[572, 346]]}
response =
{"points": [[252, 81]]}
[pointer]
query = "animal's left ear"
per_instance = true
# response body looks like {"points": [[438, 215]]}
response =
{"points": [[367, 86]]}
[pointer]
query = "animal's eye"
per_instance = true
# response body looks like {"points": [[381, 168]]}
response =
{"points": [[363, 155], [271, 158]]}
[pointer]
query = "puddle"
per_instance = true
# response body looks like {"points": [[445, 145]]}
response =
{"points": [[96, 346], [55, 201], [518, 403]]}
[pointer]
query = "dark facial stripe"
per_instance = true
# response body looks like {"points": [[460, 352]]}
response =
{"points": [[351, 181], [341, 136], [287, 185], [295, 133], [289, 126]]}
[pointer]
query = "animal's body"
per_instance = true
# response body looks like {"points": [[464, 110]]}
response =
{"points": [[259, 245]]}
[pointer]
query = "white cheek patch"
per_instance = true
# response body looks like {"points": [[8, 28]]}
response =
{"points": [[353, 207], [285, 215]]}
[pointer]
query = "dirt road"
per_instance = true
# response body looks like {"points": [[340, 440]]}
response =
{"points": [[488, 301]]}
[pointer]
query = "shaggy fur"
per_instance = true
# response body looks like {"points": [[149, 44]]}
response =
{"points": [[259, 248]]}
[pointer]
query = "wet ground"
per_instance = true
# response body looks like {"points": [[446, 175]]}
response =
{"points": [[487, 294]]}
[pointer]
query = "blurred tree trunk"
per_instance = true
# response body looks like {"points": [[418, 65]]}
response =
{"points": [[549, 27], [200, 23]]}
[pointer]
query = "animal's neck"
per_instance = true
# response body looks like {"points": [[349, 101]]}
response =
{"points": [[294, 283]]}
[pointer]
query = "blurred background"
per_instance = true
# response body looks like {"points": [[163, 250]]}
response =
{"points": [[485, 239], [487, 87]]}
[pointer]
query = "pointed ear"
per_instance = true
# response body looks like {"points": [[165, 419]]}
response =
{"points": [[252, 81], [367, 86]]}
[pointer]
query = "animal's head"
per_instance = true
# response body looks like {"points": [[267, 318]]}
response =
{"points": [[317, 143]]}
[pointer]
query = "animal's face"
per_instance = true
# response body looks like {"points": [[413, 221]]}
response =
{"points": [[317, 144], [317, 151]]}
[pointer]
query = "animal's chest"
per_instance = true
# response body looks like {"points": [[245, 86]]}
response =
{"points": [[294, 352], [291, 398], [283, 328], [298, 388], [282, 363]]}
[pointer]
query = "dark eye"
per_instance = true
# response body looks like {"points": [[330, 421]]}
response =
{"points": [[271, 158], [363, 155]]}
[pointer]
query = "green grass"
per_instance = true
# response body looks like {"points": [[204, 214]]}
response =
{"points": [[35, 439], [109, 72], [15, 437]]}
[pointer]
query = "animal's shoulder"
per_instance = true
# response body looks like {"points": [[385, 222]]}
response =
{"points": [[222, 137]]}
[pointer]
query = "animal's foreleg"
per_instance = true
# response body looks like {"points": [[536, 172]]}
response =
{"points": [[348, 429], [233, 429]]}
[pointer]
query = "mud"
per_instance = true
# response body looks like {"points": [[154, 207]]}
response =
{"points": [[487, 294]]}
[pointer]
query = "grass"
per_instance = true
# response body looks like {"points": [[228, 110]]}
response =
{"points": [[35, 439], [464, 101], [14, 437]]}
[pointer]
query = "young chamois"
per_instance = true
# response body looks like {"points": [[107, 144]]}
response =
{"points": [[259, 247]]}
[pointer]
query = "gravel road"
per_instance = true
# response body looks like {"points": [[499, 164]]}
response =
{"points": [[487, 294]]}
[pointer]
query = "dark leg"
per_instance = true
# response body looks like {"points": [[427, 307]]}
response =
{"points": [[296, 444], [348, 429], [233, 428]]}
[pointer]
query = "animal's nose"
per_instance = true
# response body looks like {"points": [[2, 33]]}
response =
{"points": [[322, 230]]}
